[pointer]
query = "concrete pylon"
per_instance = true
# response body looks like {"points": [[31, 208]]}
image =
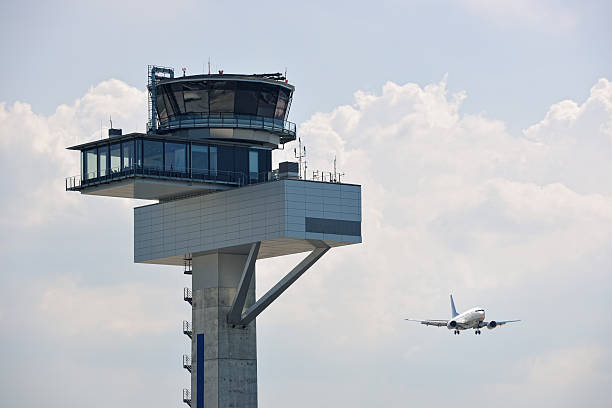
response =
{"points": [[224, 356]]}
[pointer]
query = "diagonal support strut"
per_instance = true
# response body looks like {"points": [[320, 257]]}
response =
{"points": [[270, 296], [235, 313]]}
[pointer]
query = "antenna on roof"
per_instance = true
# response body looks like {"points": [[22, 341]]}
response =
{"points": [[208, 65], [300, 154], [337, 175], [111, 121]]}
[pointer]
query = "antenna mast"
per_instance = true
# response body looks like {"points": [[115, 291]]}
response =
{"points": [[300, 154]]}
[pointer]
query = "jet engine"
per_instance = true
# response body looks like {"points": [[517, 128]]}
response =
{"points": [[451, 325], [492, 324]]}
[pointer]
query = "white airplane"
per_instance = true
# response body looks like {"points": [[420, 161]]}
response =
{"points": [[470, 319]]}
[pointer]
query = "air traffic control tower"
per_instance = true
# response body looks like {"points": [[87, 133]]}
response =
{"points": [[207, 160]]}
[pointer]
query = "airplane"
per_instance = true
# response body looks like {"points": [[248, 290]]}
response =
{"points": [[473, 318]]}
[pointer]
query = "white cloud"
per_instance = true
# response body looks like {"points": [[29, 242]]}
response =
{"points": [[566, 377], [34, 148], [451, 202], [123, 310]]}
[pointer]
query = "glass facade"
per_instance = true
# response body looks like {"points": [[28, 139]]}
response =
{"points": [[213, 160], [199, 159], [215, 163], [153, 155], [91, 164], [102, 161], [128, 155], [222, 97], [253, 165], [115, 158], [175, 157]]}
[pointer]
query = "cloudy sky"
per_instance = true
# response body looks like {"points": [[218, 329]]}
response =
{"points": [[481, 132]]}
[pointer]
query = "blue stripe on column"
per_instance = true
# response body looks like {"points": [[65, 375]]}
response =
{"points": [[200, 371]]}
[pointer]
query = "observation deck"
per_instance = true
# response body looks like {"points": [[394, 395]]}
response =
{"points": [[229, 106], [205, 133]]}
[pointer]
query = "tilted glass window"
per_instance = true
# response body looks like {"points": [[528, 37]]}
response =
{"points": [[103, 160], [246, 98], [176, 157], [195, 97], [221, 97], [281, 105], [177, 91], [153, 153], [115, 158], [266, 105], [162, 113], [199, 159], [91, 158], [169, 100], [128, 155]]}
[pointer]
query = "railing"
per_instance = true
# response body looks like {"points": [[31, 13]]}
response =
{"points": [[187, 396], [204, 176], [200, 175], [187, 295], [187, 362], [227, 120], [187, 328]]}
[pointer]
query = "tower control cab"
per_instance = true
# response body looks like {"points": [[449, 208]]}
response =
{"points": [[205, 133]]}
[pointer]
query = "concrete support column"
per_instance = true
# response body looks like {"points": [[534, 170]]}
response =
{"points": [[224, 358]]}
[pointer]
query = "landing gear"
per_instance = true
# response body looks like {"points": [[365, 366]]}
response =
{"points": [[457, 332], [477, 331]]}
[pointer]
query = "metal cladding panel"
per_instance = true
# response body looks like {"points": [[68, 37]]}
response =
{"points": [[287, 216]]}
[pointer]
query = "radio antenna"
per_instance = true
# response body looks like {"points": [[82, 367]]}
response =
{"points": [[300, 154]]}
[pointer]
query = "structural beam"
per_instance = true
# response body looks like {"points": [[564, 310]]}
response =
{"points": [[235, 314], [281, 286]]}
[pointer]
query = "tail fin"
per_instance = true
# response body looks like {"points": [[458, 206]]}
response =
{"points": [[453, 310]]}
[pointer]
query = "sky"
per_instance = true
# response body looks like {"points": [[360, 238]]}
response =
{"points": [[480, 131]]}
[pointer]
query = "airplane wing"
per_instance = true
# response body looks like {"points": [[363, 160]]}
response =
{"points": [[437, 323], [499, 323]]}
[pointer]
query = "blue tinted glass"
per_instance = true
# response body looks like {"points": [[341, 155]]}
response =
{"points": [[115, 158], [213, 160], [253, 165], [176, 155], [153, 154], [92, 164], [199, 159], [102, 161], [128, 154]]}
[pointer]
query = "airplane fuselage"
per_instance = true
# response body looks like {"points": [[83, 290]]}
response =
{"points": [[470, 319]]}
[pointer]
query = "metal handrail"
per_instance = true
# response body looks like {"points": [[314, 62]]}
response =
{"points": [[227, 120], [187, 294], [187, 396], [198, 175], [187, 362], [192, 174]]}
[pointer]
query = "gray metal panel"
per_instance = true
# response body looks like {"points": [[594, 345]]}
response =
{"points": [[273, 213]]}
